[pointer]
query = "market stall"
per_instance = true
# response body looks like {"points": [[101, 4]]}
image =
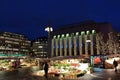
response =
{"points": [[109, 62], [69, 67]]}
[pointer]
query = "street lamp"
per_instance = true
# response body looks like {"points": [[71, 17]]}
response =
{"points": [[49, 30]]}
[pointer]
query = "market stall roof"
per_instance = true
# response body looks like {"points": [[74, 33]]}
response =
{"points": [[114, 55], [70, 57], [43, 59]]}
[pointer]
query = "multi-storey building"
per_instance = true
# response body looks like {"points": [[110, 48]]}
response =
{"points": [[79, 39], [40, 46], [12, 44]]}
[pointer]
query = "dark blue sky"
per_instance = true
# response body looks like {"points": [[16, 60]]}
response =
{"points": [[30, 17]]}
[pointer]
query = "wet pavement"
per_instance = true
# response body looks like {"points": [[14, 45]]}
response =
{"points": [[26, 74], [20, 74], [102, 74]]}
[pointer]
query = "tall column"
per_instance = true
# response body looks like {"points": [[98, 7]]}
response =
{"points": [[75, 49], [56, 42], [65, 46], [91, 44], [80, 45], [86, 45], [97, 44], [53, 48], [61, 47], [70, 46]]}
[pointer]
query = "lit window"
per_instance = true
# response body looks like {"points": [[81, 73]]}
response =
{"points": [[40, 46]]}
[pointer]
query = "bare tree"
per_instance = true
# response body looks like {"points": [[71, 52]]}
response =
{"points": [[112, 42], [100, 43]]}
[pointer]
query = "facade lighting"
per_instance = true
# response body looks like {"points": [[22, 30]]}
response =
{"points": [[54, 37], [93, 31], [62, 35], [58, 36], [82, 33], [77, 33], [88, 32], [67, 35]]}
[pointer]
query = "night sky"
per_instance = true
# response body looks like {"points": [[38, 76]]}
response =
{"points": [[30, 17]]}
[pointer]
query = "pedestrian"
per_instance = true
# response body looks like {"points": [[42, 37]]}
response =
{"points": [[13, 65], [115, 64], [46, 66]]}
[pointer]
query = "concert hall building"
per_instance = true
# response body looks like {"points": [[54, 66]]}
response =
{"points": [[78, 39]]}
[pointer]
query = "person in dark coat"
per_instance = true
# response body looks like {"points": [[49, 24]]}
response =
{"points": [[46, 66], [115, 63]]}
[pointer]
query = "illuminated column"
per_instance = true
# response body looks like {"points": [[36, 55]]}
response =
{"points": [[75, 49], [70, 46], [97, 44], [61, 47], [53, 47], [56, 42], [65, 46], [91, 44], [86, 45], [80, 45]]}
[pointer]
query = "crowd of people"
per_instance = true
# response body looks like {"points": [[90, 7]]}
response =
{"points": [[15, 64]]}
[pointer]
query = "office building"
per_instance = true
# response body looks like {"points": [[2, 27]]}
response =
{"points": [[40, 46], [83, 38], [12, 44]]}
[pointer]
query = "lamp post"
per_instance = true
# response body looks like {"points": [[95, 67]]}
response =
{"points": [[49, 30]]}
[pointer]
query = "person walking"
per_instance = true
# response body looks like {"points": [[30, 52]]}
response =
{"points": [[46, 66], [115, 63]]}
